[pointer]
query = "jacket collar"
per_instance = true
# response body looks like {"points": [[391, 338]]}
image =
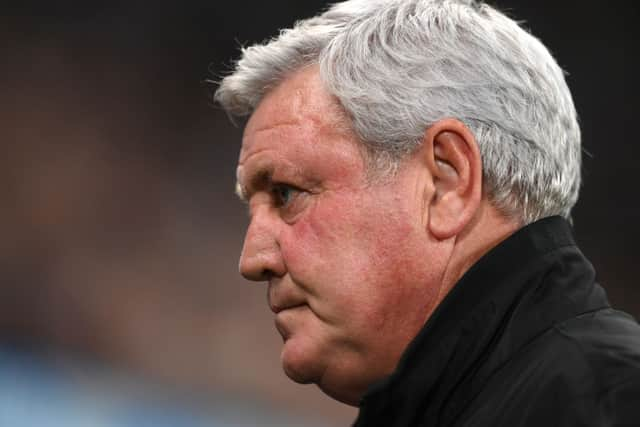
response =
{"points": [[454, 344]]}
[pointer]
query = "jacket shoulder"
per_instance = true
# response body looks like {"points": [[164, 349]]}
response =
{"points": [[606, 348], [583, 371]]}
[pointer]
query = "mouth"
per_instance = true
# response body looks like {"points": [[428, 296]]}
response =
{"points": [[283, 320], [282, 330], [277, 308]]}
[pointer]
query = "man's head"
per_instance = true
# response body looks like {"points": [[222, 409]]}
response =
{"points": [[391, 143]]}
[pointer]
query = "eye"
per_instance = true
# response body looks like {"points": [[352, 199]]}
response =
{"points": [[284, 194]]}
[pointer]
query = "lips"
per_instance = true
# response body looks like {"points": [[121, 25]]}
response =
{"points": [[282, 296], [286, 319], [281, 328], [277, 308]]}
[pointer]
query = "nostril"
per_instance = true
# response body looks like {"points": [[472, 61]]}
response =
{"points": [[267, 275]]}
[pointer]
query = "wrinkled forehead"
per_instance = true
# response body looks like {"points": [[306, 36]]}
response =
{"points": [[302, 100], [297, 126]]}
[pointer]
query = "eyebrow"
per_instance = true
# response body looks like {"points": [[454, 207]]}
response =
{"points": [[260, 179]]}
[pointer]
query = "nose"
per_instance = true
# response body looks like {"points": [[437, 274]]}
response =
{"points": [[261, 257]]}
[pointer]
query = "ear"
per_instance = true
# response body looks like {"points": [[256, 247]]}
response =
{"points": [[453, 158]]}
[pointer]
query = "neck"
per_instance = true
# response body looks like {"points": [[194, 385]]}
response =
{"points": [[488, 228]]}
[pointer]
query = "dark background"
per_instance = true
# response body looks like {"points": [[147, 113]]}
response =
{"points": [[120, 230]]}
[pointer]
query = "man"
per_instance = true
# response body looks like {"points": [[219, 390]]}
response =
{"points": [[410, 168]]}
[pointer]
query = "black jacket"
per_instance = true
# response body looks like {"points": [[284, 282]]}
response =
{"points": [[525, 338]]}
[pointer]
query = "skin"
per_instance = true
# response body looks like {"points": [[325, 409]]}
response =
{"points": [[354, 268]]}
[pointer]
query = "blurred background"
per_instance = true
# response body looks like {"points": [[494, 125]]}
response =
{"points": [[119, 229]]}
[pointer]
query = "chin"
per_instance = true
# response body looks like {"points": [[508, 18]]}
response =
{"points": [[305, 372], [302, 363], [299, 363]]}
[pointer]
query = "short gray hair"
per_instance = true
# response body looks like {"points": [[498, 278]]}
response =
{"points": [[398, 66]]}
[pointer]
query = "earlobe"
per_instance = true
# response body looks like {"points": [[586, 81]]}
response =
{"points": [[453, 159]]}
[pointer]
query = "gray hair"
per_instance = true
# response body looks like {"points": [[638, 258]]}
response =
{"points": [[398, 66]]}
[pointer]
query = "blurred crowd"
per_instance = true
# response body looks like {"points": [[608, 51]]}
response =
{"points": [[120, 228]]}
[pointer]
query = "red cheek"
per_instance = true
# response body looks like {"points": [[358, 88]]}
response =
{"points": [[323, 239], [324, 222]]}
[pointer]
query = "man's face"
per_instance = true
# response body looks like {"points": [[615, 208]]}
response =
{"points": [[352, 272]]}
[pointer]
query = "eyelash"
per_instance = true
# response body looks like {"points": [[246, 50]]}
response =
{"points": [[276, 191]]}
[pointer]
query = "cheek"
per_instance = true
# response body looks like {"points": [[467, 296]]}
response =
{"points": [[358, 253], [319, 237], [402, 281]]}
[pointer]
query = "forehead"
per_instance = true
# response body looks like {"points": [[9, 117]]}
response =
{"points": [[300, 100], [298, 125]]}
